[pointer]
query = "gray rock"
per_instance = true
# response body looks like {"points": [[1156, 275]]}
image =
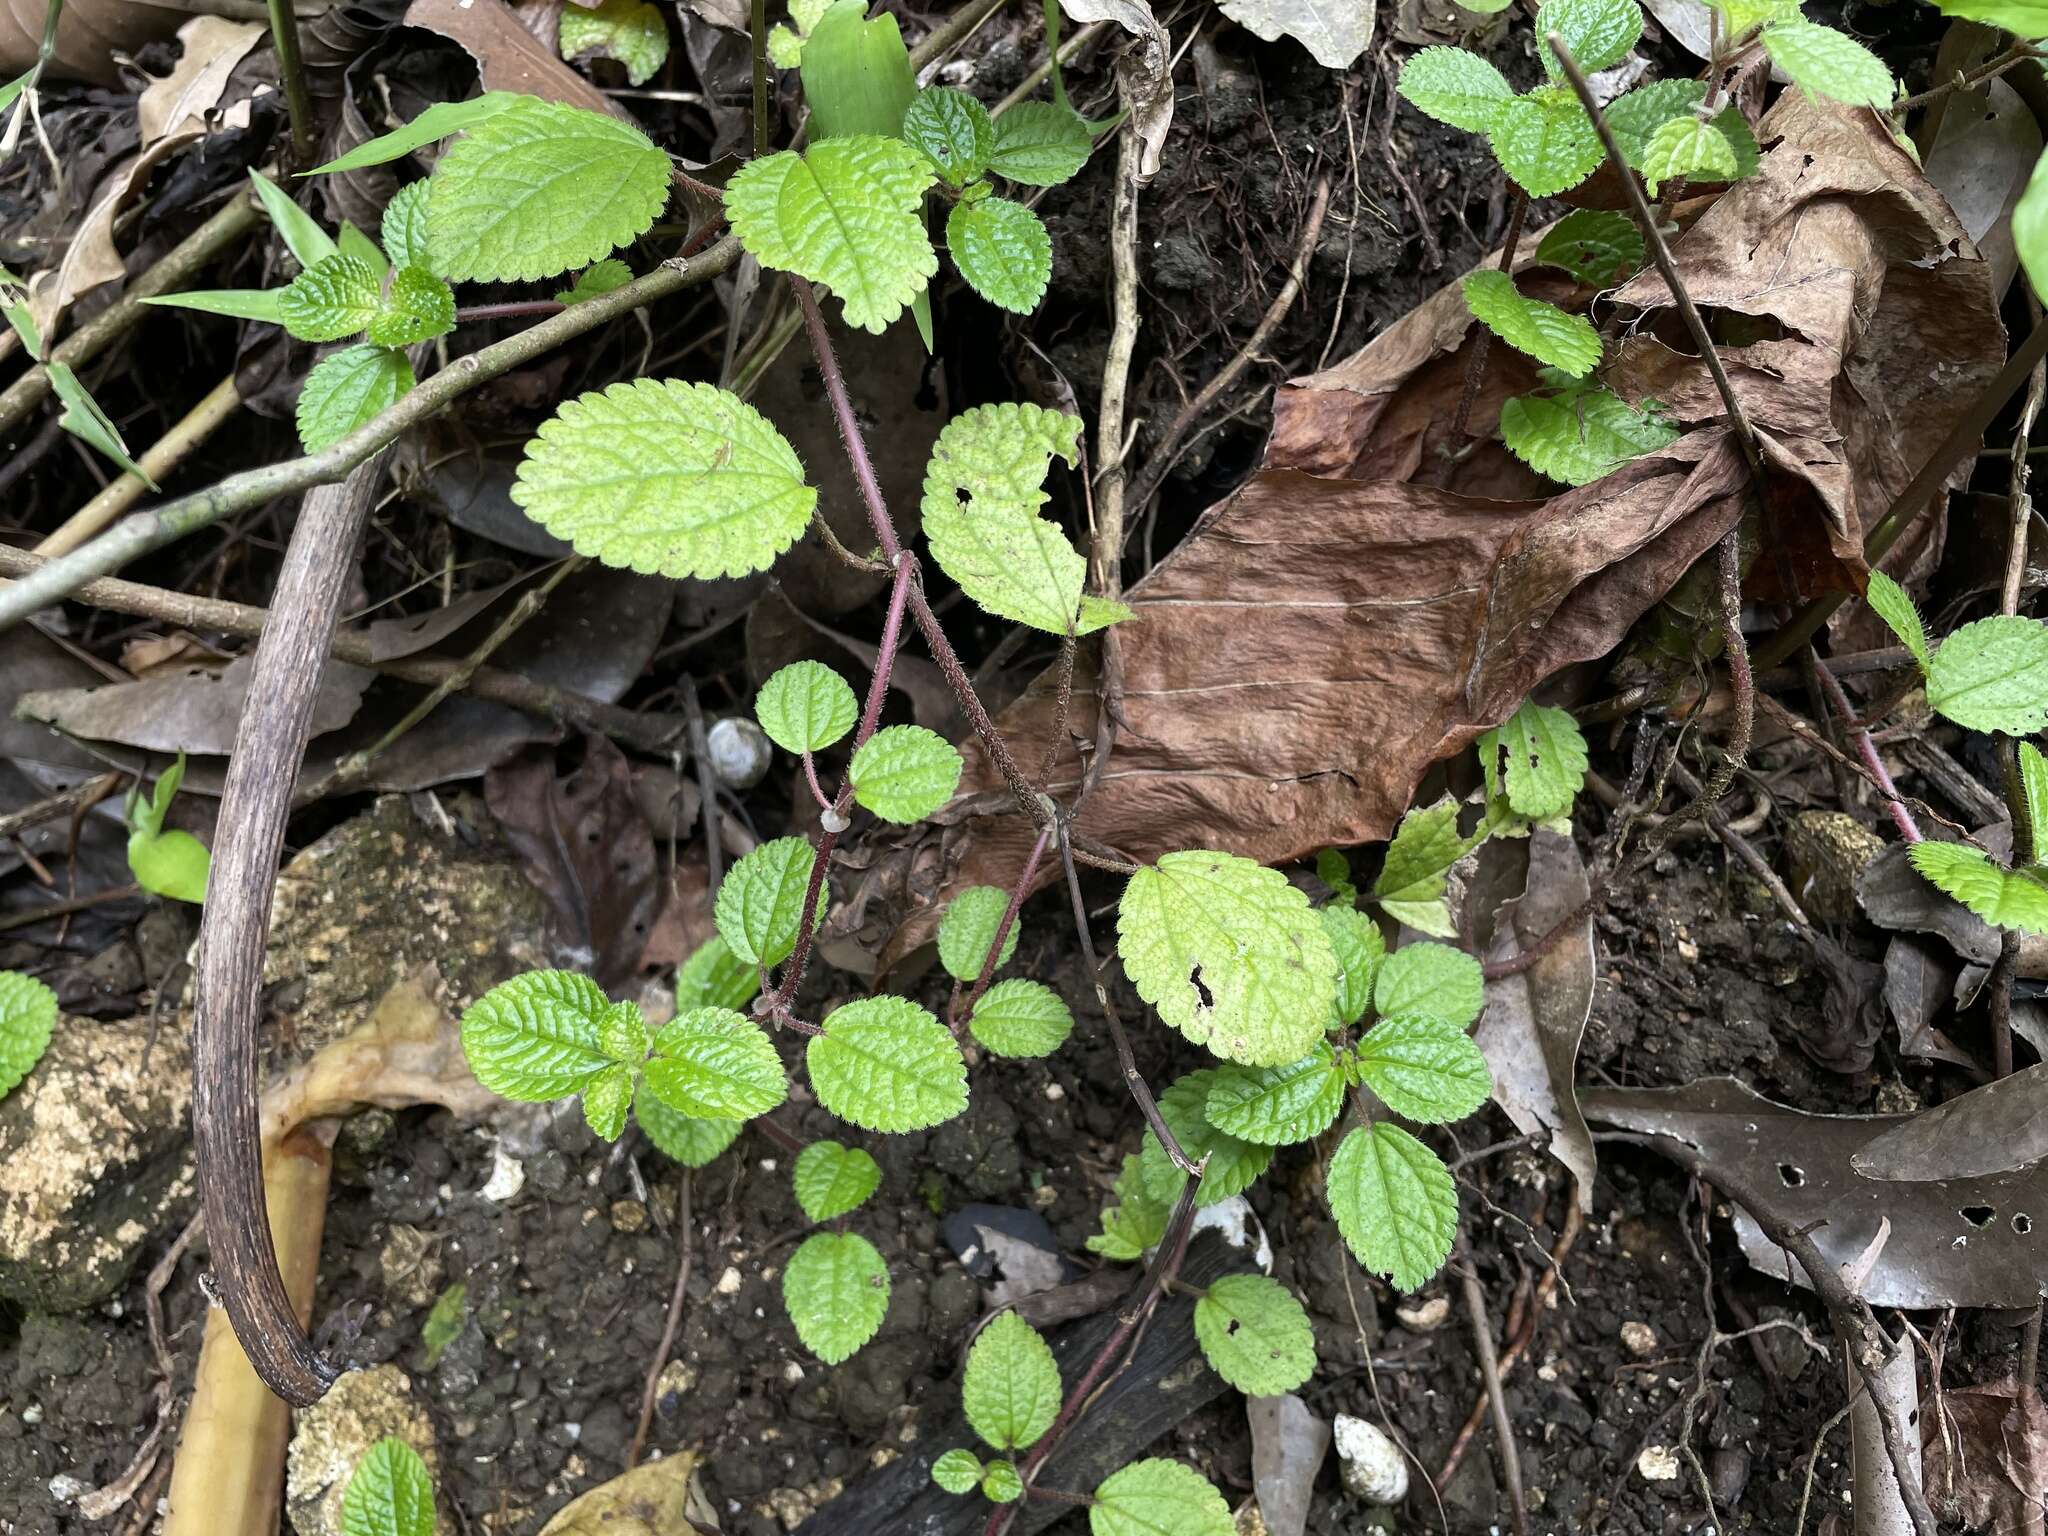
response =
{"points": [[329, 1438]]}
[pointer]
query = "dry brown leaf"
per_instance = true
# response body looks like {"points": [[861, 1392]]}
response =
{"points": [[89, 34], [508, 56], [1998, 1127], [1144, 70], [1986, 1457], [662, 1498], [213, 46], [193, 710]]}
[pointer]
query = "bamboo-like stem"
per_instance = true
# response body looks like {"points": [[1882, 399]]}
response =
{"points": [[162, 457], [291, 67]]}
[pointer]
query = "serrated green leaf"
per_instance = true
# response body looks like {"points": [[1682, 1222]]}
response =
{"points": [[1435, 979], [335, 297], [237, 303], [846, 213], [535, 1037], [347, 389], [885, 1064], [953, 130], [1566, 342], [1002, 1483], [1255, 1335], [1158, 1498], [1888, 600], [1824, 62], [968, 928], [444, 1322], [1135, 1222], [540, 188], [1424, 1069], [690, 1141], [1598, 32], [1741, 138], [1738, 16], [2006, 898], [1580, 437], [1685, 148], [307, 241], [1395, 1204], [437, 122], [1040, 144], [714, 977], [417, 307], [712, 1063], [1455, 86], [601, 277], [2034, 787], [837, 1292], [1636, 115], [805, 707], [1277, 1106], [1992, 675], [1233, 1164], [1003, 251], [1021, 1019], [831, 1179], [761, 901], [1537, 757], [904, 772], [1424, 848], [1011, 1391], [28, 1015], [856, 73], [1545, 141], [630, 31], [389, 1493], [1356, 941], [957, 1470], [1597, 246], [2026, 19], [404, 230], [666, 478], [606, 1099]]}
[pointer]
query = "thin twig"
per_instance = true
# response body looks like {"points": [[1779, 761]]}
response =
{"points": [[1482, 341], [677, 1298], [1018, 891], [80, 796], [1866, 749], [1489, 1372]]}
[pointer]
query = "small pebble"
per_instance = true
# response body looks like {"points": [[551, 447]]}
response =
{"points": [[1639, 1339], [1658, 1464], [1424, 1316], [1372, 1466]]}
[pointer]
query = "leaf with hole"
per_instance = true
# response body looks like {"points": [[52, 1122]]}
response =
{"points": [[630, 31], [1021, 1019], [885, 1064], [1566, 342], [805, 707], [347, 389], [836, 1291], [831, 1179], [904, 772], [1395, 1204], [1537, 757], [712, 1063], [761, 901], [1255, 1335]]}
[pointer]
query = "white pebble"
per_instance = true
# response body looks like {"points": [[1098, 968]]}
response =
{"points": [[1372, 1465]]}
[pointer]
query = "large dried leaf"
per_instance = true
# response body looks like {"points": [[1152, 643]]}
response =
{"points": [[91, 34], [191, 710], [1993, 1129], [1334, 31], [508, 56]]}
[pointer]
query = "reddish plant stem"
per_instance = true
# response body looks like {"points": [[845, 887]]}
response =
{"points": [[1017, 894], [817, 790], [1902, 818]]}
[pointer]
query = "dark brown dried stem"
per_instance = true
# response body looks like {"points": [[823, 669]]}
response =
{"points": [[1489, 1372], [677, 1298], [1482, 343]]}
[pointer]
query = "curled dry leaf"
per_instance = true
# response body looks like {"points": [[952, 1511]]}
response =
{"points": [[89, 34], [1986, 1456], [1335, 32], [1997, 1128], [662, 1498], [213, 46], [1144, 70]]}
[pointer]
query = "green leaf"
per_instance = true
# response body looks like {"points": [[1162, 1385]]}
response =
{"points": [[1580, 436], [622, 1034], [237, 303], [761, 901], [2007, 898], [1455, 86], [885, 1064], [856, 73], [1011, 1392], [1255, 1335], [444, 1320], [1598, 247], [968, 929], [690, 1141], [1889, 602], [606, 1099], [1021, 1018], [1277, 1106], [404, 230], [714, 977], [786, 49], [1233, 1164], [1334, 870], [306, 240], [1356, 941], [84, 419], [389, 1493], [1003, 1483], [631, 31], [846, 213], [1566, 342], [1425, 846], [904, 772], [1540, 755], [831, 1179], [1545, 141], [805, 707], [954, 131], [666, 478], [173, 864], [837, 1292], [1135, 1222], [1734, 127], [711, 1063], [1598, 32], [1040, 144], [1424, 1069], [535, 1037], [595, 280], [417, 307], [1435, 979], [1685, 148], [1824, 62], [1230, 954], [1158, 1498], [1395, 1204], [2034, 785], [957, 1470], [437, 122], [335, 297], [541, 188], [1635, 116], [351, 241], [347, 389], [28, 1014], [1992, 675], [1003, 251], [1738, 16], [2025, 19], [2030, 227]]}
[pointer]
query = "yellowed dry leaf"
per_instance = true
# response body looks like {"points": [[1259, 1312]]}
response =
{"points": [[213, 46]]}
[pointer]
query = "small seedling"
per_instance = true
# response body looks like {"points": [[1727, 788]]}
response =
{"points": [[170, 863]]}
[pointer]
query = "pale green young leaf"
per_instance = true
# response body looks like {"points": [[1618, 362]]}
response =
{"points": [[335, 297], [607, 1098], [389, 1493], [1686, 148], [1537, 757], [1002, 1483], [967, 929], [2034, 784], [1435, 979], [2030, 227], [714, 977], [1011, 1390], [417, 307], [805, 707], [1334, 870], [1135, 1222], [831, 1179], [957, 1470], [2025, 19], [1003, 251], [1738, 16], [668, 479], [712, 1063], [263, 304], [1597, 246], [690, 1141], [1598, 32], [540, 188], [404, 230], [1565, 341], [1424, 1069], [904, 772], [786, 48], [1358, 944], [836, 1290], [1395, 1203], [1230, 954], [761, 901], [1545, 141], [595, 280], [347, 389], [1455, 86], [2006, 898], [1824, 62], [1255, 1335], [1040, 144], [622, 1034], [1277, 1106], [28, 1015], [845, 213], [1888, 600], [307, 241], [1233, 1164], [954, 131], [1425, 846], [630, 31], [856, 73], [885, 1064], [1158, 1498], [535, 1037], [1580, 436], [173, 864], [437, 122], [1992, 675], [1020, 1018]]}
